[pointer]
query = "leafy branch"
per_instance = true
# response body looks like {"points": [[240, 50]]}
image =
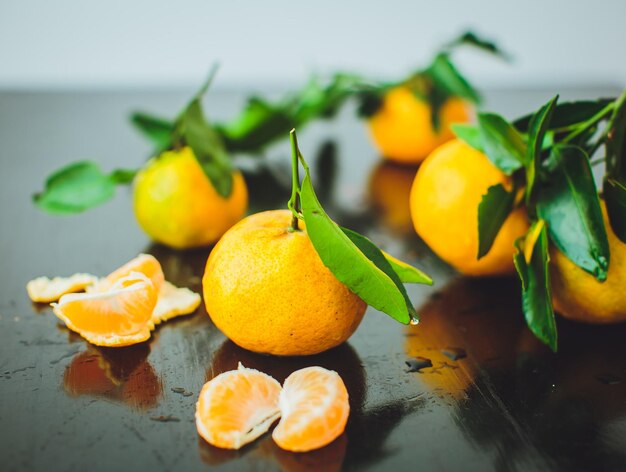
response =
{"points": [[262, 121], [259, 124], [82, 185], [547, 154], [437, 82]]}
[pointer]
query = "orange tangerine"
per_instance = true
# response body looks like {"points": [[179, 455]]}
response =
{"points": [[118, 317], [266, 288], [579, 296], [314, 406], [444, 201], [402, 130], [176, 204]]}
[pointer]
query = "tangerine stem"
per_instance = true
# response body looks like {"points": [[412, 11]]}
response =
{"points": [[590, 122], [294, 201]]}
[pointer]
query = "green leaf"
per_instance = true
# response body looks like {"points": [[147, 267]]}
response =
{"points": [[493, 210], [192, 129], [75, 188], [259, 124], [449, 80], [567, 199], [548, 140], [536, 133], [568, 114], [407, 273], [615, 199], [263, 122], [502, 143], [536, 293], [470, 38], [469, 134], [123, 176], [616, 142], [369, 102], [376, 283], [317, 100], [157, 130], [206, 146], [376, 256]]}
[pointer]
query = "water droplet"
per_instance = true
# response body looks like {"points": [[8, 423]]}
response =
{"points": [[418, 363], [600, 270], [454, 353], [608, 379], [165, 419], [414, 321]]}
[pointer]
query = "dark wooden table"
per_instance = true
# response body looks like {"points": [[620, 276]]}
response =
{"points": [[509, 404]]}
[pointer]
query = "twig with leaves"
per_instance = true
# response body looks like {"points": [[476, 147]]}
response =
{"points": [[547, 154]]}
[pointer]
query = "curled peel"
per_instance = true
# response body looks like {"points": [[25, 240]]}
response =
{"points": [[46, 290], [174, 301]]}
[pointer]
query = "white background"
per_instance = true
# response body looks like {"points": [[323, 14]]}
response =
{"points": [[123, 43]]}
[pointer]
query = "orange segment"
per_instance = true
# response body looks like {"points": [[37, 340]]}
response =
{"points": [[45, 290], [237, 407], [314, 406], [118, 317], [143, 263]]}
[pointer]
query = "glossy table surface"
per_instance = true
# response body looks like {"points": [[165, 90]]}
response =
{"points": [[494, 398]]}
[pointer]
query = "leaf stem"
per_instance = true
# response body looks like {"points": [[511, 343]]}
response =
{"points": [[585, 125], [599, 142], [595, 162], [208, 81], [294, 202]]}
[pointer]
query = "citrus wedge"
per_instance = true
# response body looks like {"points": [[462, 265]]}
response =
{"points": [[45, 290], [314, 407], [118, 317], [236, 407], [143, 263]]}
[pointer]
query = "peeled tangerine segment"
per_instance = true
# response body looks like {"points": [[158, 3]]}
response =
{"points": [[236, 407], [45, 290], [118, 317], [144, 263], [314, 406]]}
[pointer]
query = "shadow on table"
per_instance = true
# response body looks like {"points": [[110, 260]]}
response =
{"points": [[183, 268], [512, 395], [566, 409]]}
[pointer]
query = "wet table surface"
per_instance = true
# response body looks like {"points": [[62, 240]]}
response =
{"points": [[493, 399]]}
